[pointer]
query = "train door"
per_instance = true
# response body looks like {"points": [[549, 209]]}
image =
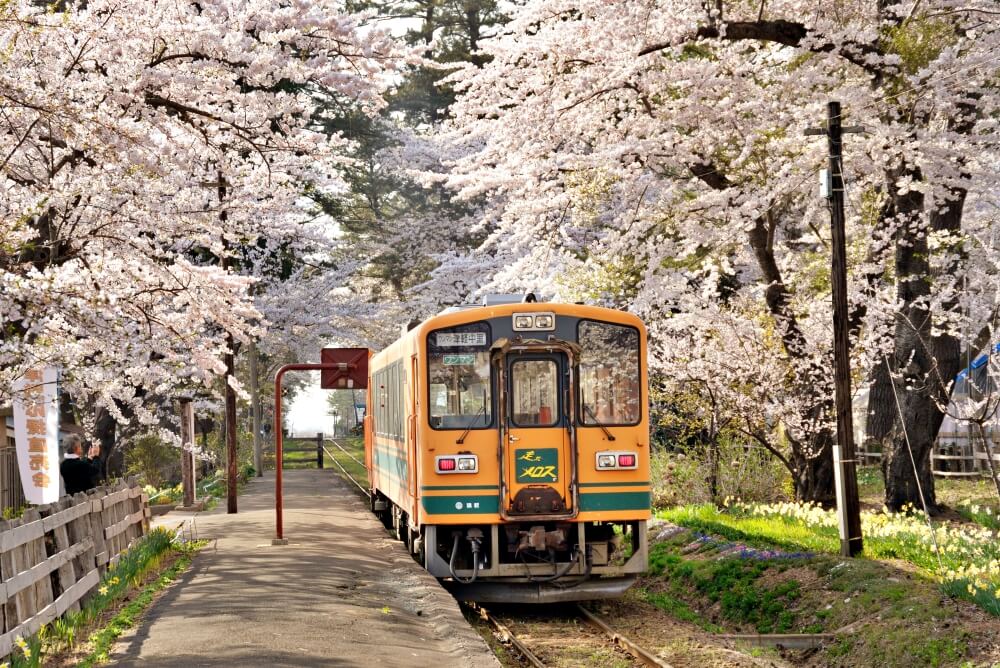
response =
{"points": [[538, 458]]}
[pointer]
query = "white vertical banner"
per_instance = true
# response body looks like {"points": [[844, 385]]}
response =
{"points": [[36, 433]]}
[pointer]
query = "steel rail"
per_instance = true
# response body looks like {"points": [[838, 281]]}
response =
{"points": [[356, 460], [508, 636], [349, 476], [622, 641]]}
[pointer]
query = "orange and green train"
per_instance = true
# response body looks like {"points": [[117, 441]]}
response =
{"points": [[508, 447]]}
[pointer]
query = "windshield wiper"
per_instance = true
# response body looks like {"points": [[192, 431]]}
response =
{"points": [[472, 423], [599, 423]]}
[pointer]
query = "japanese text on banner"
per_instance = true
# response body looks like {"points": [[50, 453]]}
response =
{"points": [[36, 433]]}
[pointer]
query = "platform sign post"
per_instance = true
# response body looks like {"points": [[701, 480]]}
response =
{"points": [[341, 368], [347, 370]]}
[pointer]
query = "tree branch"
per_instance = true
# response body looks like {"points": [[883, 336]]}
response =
{"points": [[789, 33]]}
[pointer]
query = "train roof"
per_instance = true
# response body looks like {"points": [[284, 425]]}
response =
{"points": [[499, 308]]}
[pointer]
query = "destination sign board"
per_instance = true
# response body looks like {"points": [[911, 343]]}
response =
{"points": [[455, 339]]}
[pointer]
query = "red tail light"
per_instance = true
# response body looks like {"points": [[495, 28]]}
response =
{"points": [[626, 460], [446, 464]]}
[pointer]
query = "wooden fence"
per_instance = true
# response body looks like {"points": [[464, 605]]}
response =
{"points": [[955, 455], [315, 447], [961, 453], [11, 491], [53, 556]]}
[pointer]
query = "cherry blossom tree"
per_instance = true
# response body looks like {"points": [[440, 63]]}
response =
{"points": [[153, 157], [651, 155]]}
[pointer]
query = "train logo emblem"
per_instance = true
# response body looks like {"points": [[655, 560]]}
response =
{"points": [[537, 465]]}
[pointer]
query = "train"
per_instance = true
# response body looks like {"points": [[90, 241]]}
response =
{"points": [[507, 446]]}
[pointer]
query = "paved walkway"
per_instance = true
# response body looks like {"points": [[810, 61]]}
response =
{"points": [[341, 593]]}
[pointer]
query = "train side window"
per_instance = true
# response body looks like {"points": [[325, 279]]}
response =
{"points": [[609, 374], [392, 400], [379, 392]]}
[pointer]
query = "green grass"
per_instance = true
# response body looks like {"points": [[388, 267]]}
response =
{"points": [[731, 583], [11, 513], [984, 514], [119, 582], [949, 492], [102, 641], [904, 537], [761, 532], [897, 619], [678, 609], [307, 459]]}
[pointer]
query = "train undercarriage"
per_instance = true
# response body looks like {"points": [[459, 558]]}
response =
{"points": [[535, 561]]}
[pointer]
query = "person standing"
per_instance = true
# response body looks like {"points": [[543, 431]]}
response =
{"points": [[79, 473]]}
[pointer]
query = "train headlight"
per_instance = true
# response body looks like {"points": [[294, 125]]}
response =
{"points": [[522, 322], [544, 322], [526, 322], [606, 461], [468, 464]]}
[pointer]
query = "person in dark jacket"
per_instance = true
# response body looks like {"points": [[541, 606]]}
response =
{"points": [[79, 473]]}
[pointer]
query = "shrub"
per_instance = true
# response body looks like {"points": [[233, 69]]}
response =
{"points": [[744, 471], [154, 461]]}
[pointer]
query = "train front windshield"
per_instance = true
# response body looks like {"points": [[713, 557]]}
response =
{"points": [[609, 374], [458, 366]]}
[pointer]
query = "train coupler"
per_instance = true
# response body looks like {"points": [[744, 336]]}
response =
{"points": [[537, 538]]}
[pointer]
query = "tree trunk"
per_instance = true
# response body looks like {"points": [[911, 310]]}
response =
{"points": [[923, 420], [880, 419], [472, 25], [713, 470], [813, 477], [925, 361]]}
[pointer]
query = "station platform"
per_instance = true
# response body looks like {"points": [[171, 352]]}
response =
{"points": [[341, 593]]}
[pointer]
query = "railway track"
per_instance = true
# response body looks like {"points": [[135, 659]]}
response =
{"points": [[340, 466], [571, 636]]}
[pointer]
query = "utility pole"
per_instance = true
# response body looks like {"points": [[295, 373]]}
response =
{"points": [[844, 458], [258, 455]]}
